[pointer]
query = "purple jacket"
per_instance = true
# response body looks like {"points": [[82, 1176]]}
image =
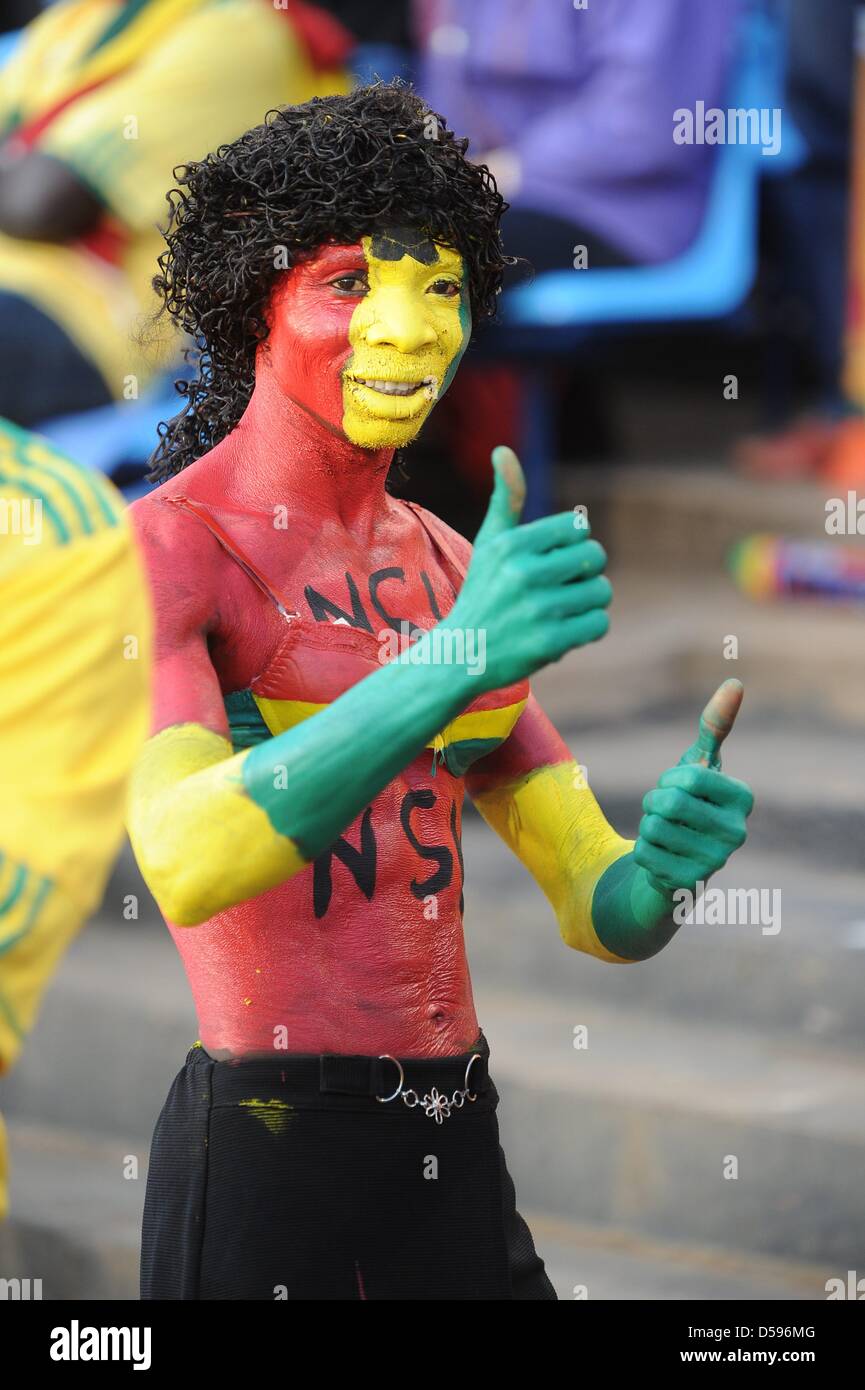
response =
{"points": [[586, 98]]}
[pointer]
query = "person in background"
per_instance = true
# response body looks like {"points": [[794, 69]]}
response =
{"points": [[98, 103], [572, 111], [74, 707], [17, 13], [810, 258]]}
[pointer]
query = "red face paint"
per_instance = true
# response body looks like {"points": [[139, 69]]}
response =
{"points": [[309, 316]]}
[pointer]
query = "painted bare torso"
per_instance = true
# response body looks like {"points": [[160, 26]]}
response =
{"points": [[287, 812], [363, 951]]}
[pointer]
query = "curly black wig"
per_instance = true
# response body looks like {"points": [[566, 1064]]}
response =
{"points": [[332, 170]]}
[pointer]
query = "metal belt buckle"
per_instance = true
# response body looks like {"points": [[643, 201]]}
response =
{"points": [[434, 1104]]}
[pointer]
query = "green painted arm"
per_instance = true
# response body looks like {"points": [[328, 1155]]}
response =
{"points": [[313, 780], [631, 918], [378, 727]]}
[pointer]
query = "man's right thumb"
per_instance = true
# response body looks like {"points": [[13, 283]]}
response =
{"points": [[508, 495]]}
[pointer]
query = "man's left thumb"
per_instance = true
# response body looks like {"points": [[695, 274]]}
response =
{"points": [[716, 721]]}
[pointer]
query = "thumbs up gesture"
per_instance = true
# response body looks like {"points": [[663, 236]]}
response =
{"points": [[537, 590], [695, 817]]}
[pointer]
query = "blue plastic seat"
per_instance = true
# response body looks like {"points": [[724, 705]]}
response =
{"points": [[561, 310]]}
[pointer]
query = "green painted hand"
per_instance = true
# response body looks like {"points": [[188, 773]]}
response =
{"points": [[694, 820], [695, 817], [536, 590]]}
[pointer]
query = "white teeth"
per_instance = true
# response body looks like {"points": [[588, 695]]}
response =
{"points": [[396, 388]]}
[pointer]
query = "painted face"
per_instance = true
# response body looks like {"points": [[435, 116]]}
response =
{"points": [[367, 337]]}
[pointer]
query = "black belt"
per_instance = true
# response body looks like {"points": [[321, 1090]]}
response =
{"points": [[436, 1085]]}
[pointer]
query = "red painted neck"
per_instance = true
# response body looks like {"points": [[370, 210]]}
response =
{"points": [[280, 451]]}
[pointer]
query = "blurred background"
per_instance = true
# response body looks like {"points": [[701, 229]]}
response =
{"points": [[679, 350]]}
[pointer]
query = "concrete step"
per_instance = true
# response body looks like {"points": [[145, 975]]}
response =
{"points": [[114, 1029], [809, 978], [75, 1211], [606, 1263], [673, 518], [632, 1132], [802, 970], [76, 1221], [668, 642], [635, 1131], [802, 771]]}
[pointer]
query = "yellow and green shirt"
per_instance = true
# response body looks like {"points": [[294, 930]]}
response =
{"points": [[75, 639], [122, 93]]}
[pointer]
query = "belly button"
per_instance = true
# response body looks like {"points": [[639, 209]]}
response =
{"points": [[436, 1014]]}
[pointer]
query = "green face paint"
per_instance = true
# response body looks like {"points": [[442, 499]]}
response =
{"points": [[465, 318]]}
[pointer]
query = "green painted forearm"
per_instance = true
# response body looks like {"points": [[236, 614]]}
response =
{"points": [[630, 916], [313, 780]]}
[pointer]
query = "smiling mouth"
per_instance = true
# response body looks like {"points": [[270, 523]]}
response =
{"points": [[397, 388]]}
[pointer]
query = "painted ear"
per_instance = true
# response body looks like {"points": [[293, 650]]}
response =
{"points": [[508, 496]]}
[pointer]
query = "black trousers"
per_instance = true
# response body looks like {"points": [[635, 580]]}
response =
{"points": [[286, 1178]]}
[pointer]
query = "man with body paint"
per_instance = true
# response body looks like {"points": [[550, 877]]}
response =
{"points": [[297, 809]]}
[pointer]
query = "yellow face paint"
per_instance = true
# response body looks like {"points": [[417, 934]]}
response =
{"points": [[410, 329]]}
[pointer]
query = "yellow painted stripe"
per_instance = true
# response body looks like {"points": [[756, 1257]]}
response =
{"points": [[482, 723], [280, 715]]}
